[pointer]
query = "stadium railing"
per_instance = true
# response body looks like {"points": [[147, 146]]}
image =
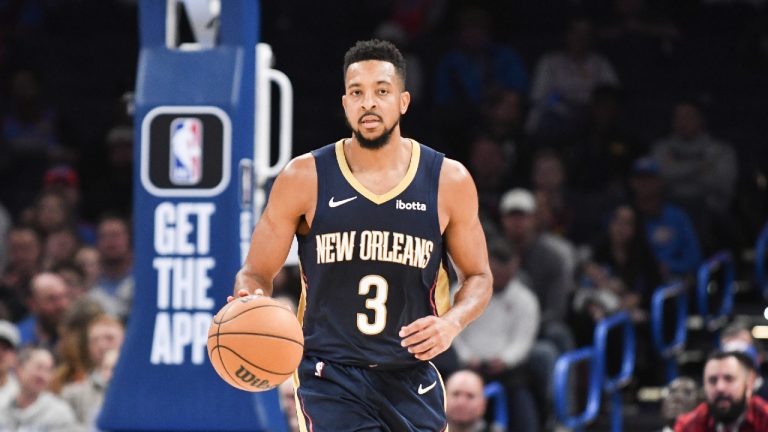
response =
{"points": [[598, 380], [669, 350]]}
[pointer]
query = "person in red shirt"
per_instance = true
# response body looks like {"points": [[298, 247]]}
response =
{"points": [[730, 406]]}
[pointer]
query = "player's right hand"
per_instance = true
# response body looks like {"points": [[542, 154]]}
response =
{"points": [[242, 292]]}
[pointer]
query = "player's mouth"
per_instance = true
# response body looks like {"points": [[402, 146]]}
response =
{"points": [[370, 120]]}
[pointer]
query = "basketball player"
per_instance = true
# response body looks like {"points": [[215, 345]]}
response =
{"points": [[376, 217]]}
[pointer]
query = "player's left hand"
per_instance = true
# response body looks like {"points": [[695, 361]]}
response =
{"points": [[427, 337]]}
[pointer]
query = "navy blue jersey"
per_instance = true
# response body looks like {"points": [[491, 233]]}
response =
{"points": [[371, 263]]}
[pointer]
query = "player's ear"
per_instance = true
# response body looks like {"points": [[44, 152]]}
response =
{"points": [[344, 102], [405, 100]]}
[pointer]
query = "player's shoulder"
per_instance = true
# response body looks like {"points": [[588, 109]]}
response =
{"points": [[300, 167], [454, 173], [297, 177]]}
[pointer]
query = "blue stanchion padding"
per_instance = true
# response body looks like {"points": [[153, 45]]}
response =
{"points": [[668, 350], [760, 255], [724, 259], [562, 369], [495, 391], [611, 384]]}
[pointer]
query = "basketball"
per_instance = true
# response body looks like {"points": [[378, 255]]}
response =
{"points": [[255, 343]]}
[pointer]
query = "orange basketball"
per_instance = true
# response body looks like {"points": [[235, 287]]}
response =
{"points": [[255, 343]]}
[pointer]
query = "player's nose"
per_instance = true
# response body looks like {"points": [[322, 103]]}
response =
{"points": [[369, 101]]}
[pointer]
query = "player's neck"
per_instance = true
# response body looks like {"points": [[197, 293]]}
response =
{"points": [[395, 153]]}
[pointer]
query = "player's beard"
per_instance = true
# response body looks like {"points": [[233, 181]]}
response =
{"points": [[374, 143], [728, 415]]}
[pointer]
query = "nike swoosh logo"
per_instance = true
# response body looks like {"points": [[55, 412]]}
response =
{"points": [[332, 203], [423, 390]]}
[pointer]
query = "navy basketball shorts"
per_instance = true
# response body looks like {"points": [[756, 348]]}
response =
{"points": [[339, 398]]}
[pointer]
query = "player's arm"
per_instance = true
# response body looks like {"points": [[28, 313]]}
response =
{"points": [[291, 199], [465, 240]]}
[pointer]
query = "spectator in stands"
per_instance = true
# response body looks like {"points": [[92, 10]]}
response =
{"points": [[602, 153], [641, 44], [546, 259], [620, 274], [105, 333], [700, 173], [114, 290], [74, 277], [24, 258], [730, 405], [490, 170], [114, 192], [505, 115], [465, 403], [60, 246], [469, 73], [549, 187], [501, 345], [29, 133], [669, 231], [478, 66], [73, 347], [48, 303], [622, 271], [9, 341], [88, 258], [35, 408], [737, 337], [681, 395], [64, 180], [52, 213], [105, 337], [561, 210], [288, 404], [563, 82]]}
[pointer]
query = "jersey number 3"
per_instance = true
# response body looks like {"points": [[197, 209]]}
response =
{"points": [[376, 304]]}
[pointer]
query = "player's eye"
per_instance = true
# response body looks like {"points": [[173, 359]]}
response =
{"points": [[383, 92]]}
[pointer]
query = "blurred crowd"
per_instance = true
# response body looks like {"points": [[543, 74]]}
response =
{"points": [[615, 145]]}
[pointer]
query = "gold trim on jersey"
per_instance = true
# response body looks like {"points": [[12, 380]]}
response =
{"points": [[395, 191], [442, 291], [302, 306], [303, 420]]}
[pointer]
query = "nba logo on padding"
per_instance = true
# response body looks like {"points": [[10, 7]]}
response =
{"points": [[186, 151]]}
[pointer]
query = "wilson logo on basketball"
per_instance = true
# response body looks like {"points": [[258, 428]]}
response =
{"points": [[249, 378]]}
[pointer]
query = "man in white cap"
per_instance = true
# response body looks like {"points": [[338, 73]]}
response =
{"points": [[9, 340], [546, 259]]}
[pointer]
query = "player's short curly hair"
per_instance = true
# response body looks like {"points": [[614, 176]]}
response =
{"points": [[376, 49]]}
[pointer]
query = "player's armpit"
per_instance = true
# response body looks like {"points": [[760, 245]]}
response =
{"points": [[291, 203]]}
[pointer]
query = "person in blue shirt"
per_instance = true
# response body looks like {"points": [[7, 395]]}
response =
{"points": [[671, 234]]}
